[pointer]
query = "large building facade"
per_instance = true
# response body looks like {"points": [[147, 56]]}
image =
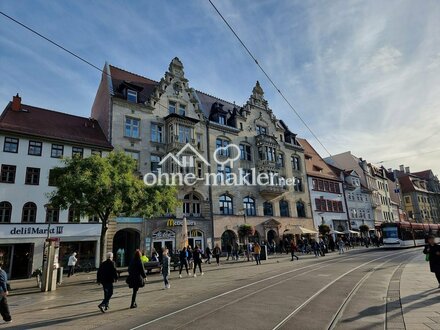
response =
{"points": [[32, 142], [151, 120]]}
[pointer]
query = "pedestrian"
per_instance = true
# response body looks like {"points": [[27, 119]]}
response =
{"points": [[197, 256], [331, 244], [216, 253], [340, 245], [166, 262], [71, 263], [183, 258], [208, 255], [106, 276], [4, 307], [235, 252], [229, 251], [322, 247], [293, 248], [257, 252], [136, 276], [316, 248], [189, 256], [144, 258], [432, 252], [249, 248], [154, 256]]}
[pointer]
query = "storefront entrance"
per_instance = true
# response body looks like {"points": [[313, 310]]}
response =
{"points": [[125, 243], [86, 252], [228, 238], [17, 260], [164, 239], [195, 237]]}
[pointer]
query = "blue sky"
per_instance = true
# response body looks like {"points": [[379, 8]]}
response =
{"points": [[365, 75]]}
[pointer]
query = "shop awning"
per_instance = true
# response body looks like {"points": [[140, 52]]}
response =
{"points": [[352, 232], [298, 230], [337, 232]]}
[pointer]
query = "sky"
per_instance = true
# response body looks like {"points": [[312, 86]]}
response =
{"points": [[364, 75]]}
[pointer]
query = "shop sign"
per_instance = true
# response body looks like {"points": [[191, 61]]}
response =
{"points": [[175, 223], [163, 234], [41, 230]]}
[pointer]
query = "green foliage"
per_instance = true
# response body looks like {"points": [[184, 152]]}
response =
{"points": [[246, 230], [324, 229], [364, 228]]}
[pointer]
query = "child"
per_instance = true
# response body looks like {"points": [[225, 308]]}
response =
{"points": [[166, 268]]}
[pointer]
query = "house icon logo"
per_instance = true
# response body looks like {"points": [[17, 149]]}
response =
{"points": [[186, 160]]}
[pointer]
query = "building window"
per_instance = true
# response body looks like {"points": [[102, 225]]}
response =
{"points": [[267, 153], [57, 151], [222, 119], [245, 152], [5, 212], [94, 218], [156, 133], [172, 107], [225, 202], [29, 214], [261, 130], [77, 152], [407, 200], [298, 185], [182, 110], [52, 180], [284, 208], [300, 209], [96, 152], [52, 214], [267, 209], [132, 127], [246, 176], [199, 141], [35, 148], [222, 143], [132, 96], [74, 215], [155, 160], [223, 174], [191, 205], [134, 155], [280, 160], [32, 176], [11, 145], [8, 173], [249, 206], [185, 134]]}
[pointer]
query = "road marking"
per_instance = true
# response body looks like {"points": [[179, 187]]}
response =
{"points": [[238, 289], [279, 325]]}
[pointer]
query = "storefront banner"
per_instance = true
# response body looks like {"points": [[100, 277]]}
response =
{"points": [[56, 230]]}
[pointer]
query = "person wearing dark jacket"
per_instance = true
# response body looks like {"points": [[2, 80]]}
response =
{"points": [[106, 276], [183, 258], [136, 276], [197, 256], [432, 251], [4, 307]]}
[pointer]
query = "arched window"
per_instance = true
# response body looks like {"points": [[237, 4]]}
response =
{"points": [[5, 212], [73, 216], [300, 209], [267, 208], [296, 163], [29, 214], [52, 214], [191, 205], [225, 204], [249, 205], [284, 208]]}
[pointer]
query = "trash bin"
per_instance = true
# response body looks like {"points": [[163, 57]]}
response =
{"points": [[60, 275], [263, 253]]}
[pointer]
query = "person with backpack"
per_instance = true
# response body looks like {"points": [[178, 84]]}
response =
{"points": [[136, 276], [183, 258], [197, 256], [106, 276], [216, 253]]}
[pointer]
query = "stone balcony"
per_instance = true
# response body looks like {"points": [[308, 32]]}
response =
{"points": [[272, 190]]}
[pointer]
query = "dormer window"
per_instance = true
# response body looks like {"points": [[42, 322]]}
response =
{"points": [[222, 119], [132, 96], [261, 130], [172, 107], [182, 110]]}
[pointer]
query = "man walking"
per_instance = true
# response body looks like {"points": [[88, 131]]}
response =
{"points": [[4, 308], [71, 263], [106, 276], [293, 248]]}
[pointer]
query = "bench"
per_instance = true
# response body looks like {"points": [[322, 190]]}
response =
{"points": [[148, 266]]}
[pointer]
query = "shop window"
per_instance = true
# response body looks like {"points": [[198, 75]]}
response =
{"points": [[29, 214], [8, 173], [5, 212]]}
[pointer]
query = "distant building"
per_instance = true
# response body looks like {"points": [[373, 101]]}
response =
{"points": [[33, 141]]}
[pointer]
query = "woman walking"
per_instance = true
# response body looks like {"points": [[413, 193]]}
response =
{"points": [[136, 276], [216, 253], [208, 255], [432, 251], [257, 251], [197, 257], [166, 261], [183, 258]]}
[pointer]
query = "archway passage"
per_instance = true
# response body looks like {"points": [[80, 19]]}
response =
{"points": [[228, 238], [125, 242], [272, 236]]}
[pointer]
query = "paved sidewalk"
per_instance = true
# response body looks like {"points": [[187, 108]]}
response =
{"points": [[420, 296]]}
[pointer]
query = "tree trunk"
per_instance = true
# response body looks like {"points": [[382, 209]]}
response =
{"points": [[102, 241]]}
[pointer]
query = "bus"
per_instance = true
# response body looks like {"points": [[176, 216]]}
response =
{"points": [[408, 234]]}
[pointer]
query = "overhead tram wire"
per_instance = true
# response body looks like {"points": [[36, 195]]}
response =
{"points": [[408, 156], [56, 44], [269, 78]]}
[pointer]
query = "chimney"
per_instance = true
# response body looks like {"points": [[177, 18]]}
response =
{"points": [[401, 168], [16, 103], [407, 170]]}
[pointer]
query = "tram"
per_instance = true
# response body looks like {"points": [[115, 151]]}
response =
{"points": [[408, 234]]}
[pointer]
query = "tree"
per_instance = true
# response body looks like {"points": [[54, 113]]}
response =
{"points": [[246, 230], [364, 229], [324, 229], [108, 186]]}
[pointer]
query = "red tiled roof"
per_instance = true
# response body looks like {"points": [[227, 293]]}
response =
{"points": [[315, 161], [51, 124], [423, 174]]}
